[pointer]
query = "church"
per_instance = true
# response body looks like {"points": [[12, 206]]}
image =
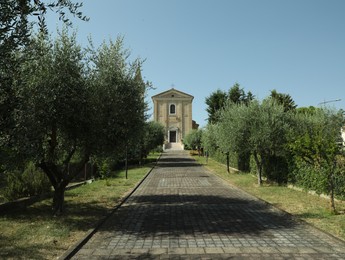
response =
{"points": [[173, 109]]}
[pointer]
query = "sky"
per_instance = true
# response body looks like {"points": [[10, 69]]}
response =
{"points": [[198, 46]]}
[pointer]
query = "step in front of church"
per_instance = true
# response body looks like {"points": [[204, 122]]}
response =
{"points": [[173, 146]]}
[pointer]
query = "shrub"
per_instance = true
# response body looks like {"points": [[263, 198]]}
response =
{"points": [[158, 149], [316, 179], [310, 178], [106, 165], [29, 182]]}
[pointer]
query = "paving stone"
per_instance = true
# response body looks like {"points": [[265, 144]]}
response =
{"points": [[195, 251], [182, 211], [176, 251], [139, 251], [121, 251], [305, 250], [232, 250], [86, 251], [251, 250], [269, 249], [158, 251], [102, 252], [214, 250]]}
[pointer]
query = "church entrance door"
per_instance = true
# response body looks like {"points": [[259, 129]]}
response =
{"points": [[172, 137]]}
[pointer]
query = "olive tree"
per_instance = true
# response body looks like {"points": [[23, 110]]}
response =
{"points": [[258, 128], [193, 139], [233, 131], [119, 97], [153, 138], [16, 25], [18, 20], [71, 112], [269, 125], [52, 119], [209, 138]]}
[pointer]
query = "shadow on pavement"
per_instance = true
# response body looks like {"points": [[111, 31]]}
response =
{"points": [[177, 162], [187, 215]]}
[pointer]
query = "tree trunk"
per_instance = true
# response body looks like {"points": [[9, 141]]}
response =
{"points": [[331, 189], [126, 162], [60, 179], [59, 198], [332, 201], [227, 162], [259, 168]]}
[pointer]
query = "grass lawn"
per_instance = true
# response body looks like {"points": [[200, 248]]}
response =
{"points": [[310, 208], [32, 232]]}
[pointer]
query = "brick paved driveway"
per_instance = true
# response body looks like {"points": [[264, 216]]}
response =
{"points": [[182, 211]]}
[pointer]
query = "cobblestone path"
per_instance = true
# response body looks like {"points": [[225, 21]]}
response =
{"points": [[182, 211]]}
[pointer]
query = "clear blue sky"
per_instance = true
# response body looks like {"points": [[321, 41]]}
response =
{"points": [[294, 46]]}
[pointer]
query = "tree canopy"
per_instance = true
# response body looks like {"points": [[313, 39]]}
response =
{"points": [[17, 24], [217, 100], [193, 139], [72, 110], [278, 141], [283, 99]]}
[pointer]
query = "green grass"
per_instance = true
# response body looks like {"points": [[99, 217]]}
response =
{"points": [[32, 232], [310, 208]]}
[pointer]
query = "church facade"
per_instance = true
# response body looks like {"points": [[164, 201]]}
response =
{"points": [[173, 109]]}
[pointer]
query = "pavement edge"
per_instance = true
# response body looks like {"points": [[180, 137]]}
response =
{"points": [[77, 246]]}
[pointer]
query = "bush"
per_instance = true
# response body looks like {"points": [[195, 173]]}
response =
{"points": [[315, 179], [217, 155], [158, 149], [220, 157], [106, 165], [29, 182], [310, 178]]}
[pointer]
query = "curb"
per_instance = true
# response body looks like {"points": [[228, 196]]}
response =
{"points": [[74, 249]]}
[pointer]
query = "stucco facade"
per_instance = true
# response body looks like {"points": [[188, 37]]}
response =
{"points": [[173, 109]]}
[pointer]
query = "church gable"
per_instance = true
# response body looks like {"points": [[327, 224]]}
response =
{"points": [[172, 94]]}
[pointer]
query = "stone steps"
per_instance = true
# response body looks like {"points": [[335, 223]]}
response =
{"points": [[174, 147]]}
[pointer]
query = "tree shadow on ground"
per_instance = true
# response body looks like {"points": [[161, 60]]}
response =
{"points": [[181, 215], [175, 159], [177, 162], [10, 250], [36, 230], [91, 212]]}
